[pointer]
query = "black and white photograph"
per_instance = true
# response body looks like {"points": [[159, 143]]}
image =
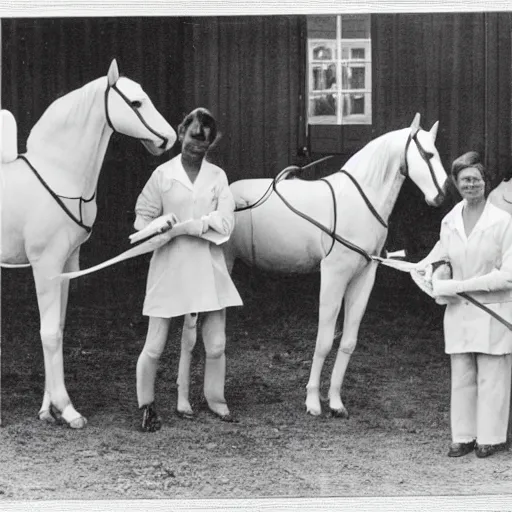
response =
{"points": [[256, 259]]}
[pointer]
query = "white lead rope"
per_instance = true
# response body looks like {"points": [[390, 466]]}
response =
{"points": [[426, 286], [152, 237]]}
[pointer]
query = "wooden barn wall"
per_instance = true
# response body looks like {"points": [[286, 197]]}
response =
{"points": [[43, 59], [455, 68], [247, 70]]}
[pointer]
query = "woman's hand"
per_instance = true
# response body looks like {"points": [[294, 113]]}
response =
{"points": [[194, 227], [168, 221], [445, 287]]}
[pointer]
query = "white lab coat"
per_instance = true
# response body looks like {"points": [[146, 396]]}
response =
{"points": [[488, 248], [188, 274]]}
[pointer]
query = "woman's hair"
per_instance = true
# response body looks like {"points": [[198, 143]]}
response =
{"points": [[469, 159], [205, 117]]}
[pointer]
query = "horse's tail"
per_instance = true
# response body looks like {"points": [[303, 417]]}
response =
{"points": [[8, 137]]}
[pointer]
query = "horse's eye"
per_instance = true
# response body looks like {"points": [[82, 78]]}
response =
{"points": [[136, 104]]}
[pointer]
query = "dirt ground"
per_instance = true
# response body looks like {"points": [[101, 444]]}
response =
{"points": [[396, 391]]}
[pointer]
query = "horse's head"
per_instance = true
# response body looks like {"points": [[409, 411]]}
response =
{"points": [[129, 110], [422, 164]]}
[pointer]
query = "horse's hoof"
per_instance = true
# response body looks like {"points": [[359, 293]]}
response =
{"points": [[46, 415], [72, 418], [314, 410], [227, 418], [186, 415], [151, 422], [78, 423], [339, 413]]}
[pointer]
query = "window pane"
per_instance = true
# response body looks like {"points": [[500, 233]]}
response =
{"points": [[324, 77], [322, 53], [324, 105], [354, 104], [357, 53], [357, 78]]}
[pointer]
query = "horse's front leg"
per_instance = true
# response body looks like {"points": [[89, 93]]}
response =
{"points": [[333, 279], [52, 297], [356, 300], [188, 341]]}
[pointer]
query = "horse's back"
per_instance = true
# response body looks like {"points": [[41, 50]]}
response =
{"points": [[9, 136], [501, 196], [273, 237]]}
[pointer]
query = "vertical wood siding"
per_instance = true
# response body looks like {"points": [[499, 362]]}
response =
{"points": [[451, 67], [247, 71]]}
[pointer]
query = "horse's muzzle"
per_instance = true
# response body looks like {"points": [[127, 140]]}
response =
{"points": [[441, 196]]}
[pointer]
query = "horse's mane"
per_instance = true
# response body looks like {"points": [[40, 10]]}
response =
{"points": [[66, 123], [378, 158]]}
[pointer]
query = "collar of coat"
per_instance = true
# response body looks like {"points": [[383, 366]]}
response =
{"points": [[490, 216], [175, 167]]}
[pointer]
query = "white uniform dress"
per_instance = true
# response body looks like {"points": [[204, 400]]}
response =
{"points": [[188, 274], [478, 344]]}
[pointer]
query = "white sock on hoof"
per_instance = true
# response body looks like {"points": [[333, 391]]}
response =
{"points": [[70, 415]]}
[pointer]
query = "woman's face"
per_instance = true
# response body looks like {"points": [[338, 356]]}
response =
{"points": [[470, 184], [195, 141]]}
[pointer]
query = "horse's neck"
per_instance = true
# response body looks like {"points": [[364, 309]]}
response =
{"points": [[68, 144], [377, 169]]}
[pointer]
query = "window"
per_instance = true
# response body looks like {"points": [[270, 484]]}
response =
{"points": [[339, 70]]}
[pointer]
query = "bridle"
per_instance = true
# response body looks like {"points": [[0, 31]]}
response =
{"points": [[114, 87], [427, 156]]}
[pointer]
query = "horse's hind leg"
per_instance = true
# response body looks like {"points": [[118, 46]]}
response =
{"points": [[188, 341], [332, 287], [356, 300]]}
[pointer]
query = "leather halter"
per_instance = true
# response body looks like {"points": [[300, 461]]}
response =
{"points": [[404, 165], [114, 87]]}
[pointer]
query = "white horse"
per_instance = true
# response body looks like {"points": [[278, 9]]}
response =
{"points": [[501, 196], [273, 237], [48, 200]]}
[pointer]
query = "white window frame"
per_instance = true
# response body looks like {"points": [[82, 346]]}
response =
{"points": [[336, 45]]}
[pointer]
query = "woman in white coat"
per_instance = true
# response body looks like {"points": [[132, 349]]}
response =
{"points": [[476, 238], [189, 273]]}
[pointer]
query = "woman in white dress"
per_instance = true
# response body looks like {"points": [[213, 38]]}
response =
{"points": [[189, 273], [476, 238]]}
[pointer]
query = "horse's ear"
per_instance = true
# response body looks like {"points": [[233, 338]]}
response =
{"points": [[415, 126], [433, 131], [113, 72]]}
